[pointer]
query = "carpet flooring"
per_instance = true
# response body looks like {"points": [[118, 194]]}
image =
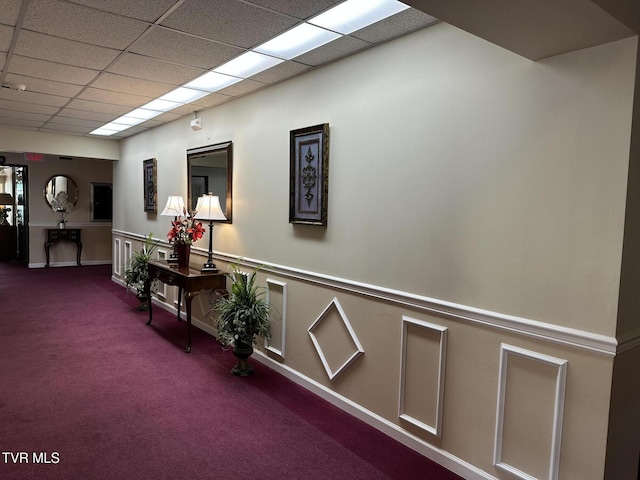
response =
{"points": [[88, 391]]}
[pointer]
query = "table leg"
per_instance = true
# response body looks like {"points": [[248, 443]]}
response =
{"points": [[179, 300], [188, 297], [79, 253], [46, 251]]}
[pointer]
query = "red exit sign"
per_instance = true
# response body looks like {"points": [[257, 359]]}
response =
{"points": [[34, 157]]}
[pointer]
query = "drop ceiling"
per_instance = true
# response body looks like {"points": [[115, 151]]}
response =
{"points": [[87, 62]]}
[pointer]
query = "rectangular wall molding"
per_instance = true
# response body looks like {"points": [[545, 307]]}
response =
{"points": [[277, 298], [117, 259], [560, 366], [413, 376]]}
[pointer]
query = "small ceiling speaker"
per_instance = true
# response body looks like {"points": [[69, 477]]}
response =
{"points": [[196, 124]]}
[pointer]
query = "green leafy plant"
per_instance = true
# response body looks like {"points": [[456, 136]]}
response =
{"points": [[137, 271], [243, 316]]}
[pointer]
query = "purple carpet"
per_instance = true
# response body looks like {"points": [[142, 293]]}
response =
{"points": [[88, 391]]}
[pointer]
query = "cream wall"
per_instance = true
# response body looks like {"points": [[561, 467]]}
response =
{"points": [[470, 190]]}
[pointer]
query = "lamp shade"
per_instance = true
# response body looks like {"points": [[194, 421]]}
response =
{"points": [[208, 208], [6, 199], [174, 206]]}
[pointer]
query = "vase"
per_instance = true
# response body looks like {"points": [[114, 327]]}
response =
{"points": [[183, 251], [242, 352]]}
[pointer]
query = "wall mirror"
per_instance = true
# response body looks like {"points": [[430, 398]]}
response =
{"points": [[210, 169], [60, 193]]}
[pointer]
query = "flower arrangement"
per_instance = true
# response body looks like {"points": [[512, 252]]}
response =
{"points": [[185, 230]]}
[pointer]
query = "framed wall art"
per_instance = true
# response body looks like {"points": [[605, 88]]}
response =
{"points": [[309, 175], [150, 176]]}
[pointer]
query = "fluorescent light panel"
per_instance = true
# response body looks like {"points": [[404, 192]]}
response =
{"points": [[183, 95], [248, 64], [297, 41], [212, 82], [353, 15]]}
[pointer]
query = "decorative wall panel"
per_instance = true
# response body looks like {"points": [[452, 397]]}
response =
{"points": [[277, 298], [117, 257], [531, 394], [334, 340], [422, 373]]}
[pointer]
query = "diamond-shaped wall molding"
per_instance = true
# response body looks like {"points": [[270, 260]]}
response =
{"points": [[334, 305]]}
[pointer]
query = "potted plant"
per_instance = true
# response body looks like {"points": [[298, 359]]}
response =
{"points": [[242, 318], [137, 271]]}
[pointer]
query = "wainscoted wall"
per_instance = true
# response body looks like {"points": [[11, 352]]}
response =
{"points": [[464, 295], [484, 395]]}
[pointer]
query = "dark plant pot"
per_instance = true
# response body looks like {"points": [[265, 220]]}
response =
{"points": [[143, 305], [242, 352]]}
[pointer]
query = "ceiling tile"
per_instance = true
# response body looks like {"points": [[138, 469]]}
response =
{"points": [[60, 50], [6, 33], [241, 88], [19, 122], [32, 67], [138, 66], [301, 10], [39, 117], [99, 107], [184, 49], [83, 24], [147, 10], [87, 115], [27, 107], [45, 86], [85, 124], [33, 97], [10, 11], [232, 22], [134, 86], [48, 128], [114, 98], [399, 24], [3, 58], [280, 72], [339, 48]]}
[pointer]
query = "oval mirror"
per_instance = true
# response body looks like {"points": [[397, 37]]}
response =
{"points": [[60, 193], [210, 170]]}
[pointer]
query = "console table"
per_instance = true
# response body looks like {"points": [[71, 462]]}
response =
{"points": [[188, 280], [54, 235]]}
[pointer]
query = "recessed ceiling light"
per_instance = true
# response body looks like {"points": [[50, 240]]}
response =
{"points": [[297, 41], [353, 15], [183, 95], [161, 105], [248, 64], [143, 113], [212, 82]]}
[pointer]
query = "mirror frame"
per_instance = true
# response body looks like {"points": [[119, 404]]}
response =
{"points": [[69, 179], [226, 147]]}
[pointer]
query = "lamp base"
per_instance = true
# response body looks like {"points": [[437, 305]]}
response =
{"points": [[209, 267]]}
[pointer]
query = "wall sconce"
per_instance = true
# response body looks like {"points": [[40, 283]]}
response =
{"points": [[5, 199], [174, 208], [208, 208]]}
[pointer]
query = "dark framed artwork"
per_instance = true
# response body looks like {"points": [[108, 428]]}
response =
{"points": [[309, 175], [150, 186]]}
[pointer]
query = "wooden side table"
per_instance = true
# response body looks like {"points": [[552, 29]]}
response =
{"points": [[54, 235], [188, 280]]}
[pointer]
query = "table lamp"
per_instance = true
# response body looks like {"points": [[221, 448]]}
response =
{"points": [[208, 208], [174, 208]]}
